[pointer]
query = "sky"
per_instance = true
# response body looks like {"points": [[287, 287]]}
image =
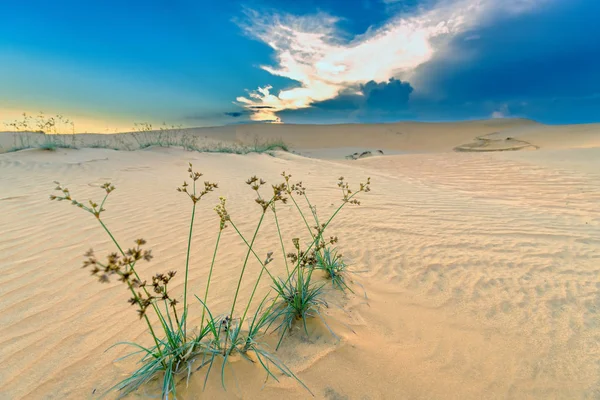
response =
{"points": [[106, 64]]}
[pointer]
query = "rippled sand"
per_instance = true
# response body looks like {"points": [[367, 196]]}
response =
{"points": [[481, 271]]}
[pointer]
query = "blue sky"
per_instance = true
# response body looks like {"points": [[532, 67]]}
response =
{"points": [[203, 63]]}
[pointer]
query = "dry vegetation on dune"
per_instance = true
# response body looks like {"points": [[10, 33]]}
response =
{"points": [[177, 349], [57, 132]]}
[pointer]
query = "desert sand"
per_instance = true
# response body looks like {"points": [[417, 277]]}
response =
{"points": [[481, 268]]}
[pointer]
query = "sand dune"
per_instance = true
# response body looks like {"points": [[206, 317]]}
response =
{"points": [[481, 269], [326, 141]]}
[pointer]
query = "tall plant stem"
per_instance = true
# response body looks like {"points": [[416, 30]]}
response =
{"points": [[237, 290], [287, 269], [187, 267], [302, 215], [212, 264], [263, 269]]}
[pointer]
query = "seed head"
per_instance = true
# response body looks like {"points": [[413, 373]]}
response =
{"points": [[193, 195], [279, 192], [293, 257], [255, 183], [194, 175], [298, 188], [263, 203], [285, 176], [108, 187], [222, 212], [269, 258]]}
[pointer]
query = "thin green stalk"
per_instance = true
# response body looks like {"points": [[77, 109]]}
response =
{"points": [[312, 209], [280, 239], [168, 315], [243, 270], [245, 263], [151, 329], [167, 311], [212, 264], [315, 240], [250, 248], [318, 237], [264, 268], [187, 265], [176, 316], [302, 215]]}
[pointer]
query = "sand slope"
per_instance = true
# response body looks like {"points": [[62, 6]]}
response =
{"points": [[482, 270], [337, 141]]}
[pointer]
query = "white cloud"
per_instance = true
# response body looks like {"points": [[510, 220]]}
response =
{"points": [[314, 52], [502, 112]]}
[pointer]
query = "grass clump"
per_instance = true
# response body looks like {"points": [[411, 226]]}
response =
{"points": [[54, 142], [145, 135], [165, 136], [44, 124], [299, 299], [43, 132], [178, 347], [333, 265]]}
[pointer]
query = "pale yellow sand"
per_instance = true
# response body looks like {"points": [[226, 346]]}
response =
{"points": [[481, 269]]}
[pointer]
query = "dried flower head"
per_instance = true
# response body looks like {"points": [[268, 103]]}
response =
{"points": [[348, 194], [262, 203], [286, 176], [269, 258], [108, 187], [298, 188], [279, 192], [194, 175], [293, 257], [93, 207], [255, 183], [122, 266], [194, 196]]}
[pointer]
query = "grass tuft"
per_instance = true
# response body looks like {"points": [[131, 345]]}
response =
{"points": [[332, 264], [299, 299]]}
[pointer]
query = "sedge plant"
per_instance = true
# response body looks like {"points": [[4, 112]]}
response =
{"points": [[177, 350]]}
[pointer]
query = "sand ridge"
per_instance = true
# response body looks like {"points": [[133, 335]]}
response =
{"points": [[326, 141]]}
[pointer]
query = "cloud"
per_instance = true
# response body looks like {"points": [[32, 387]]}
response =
{"points": [[235, 114], [503, 112], [327, 62], [372, 101], [393, 94]]}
